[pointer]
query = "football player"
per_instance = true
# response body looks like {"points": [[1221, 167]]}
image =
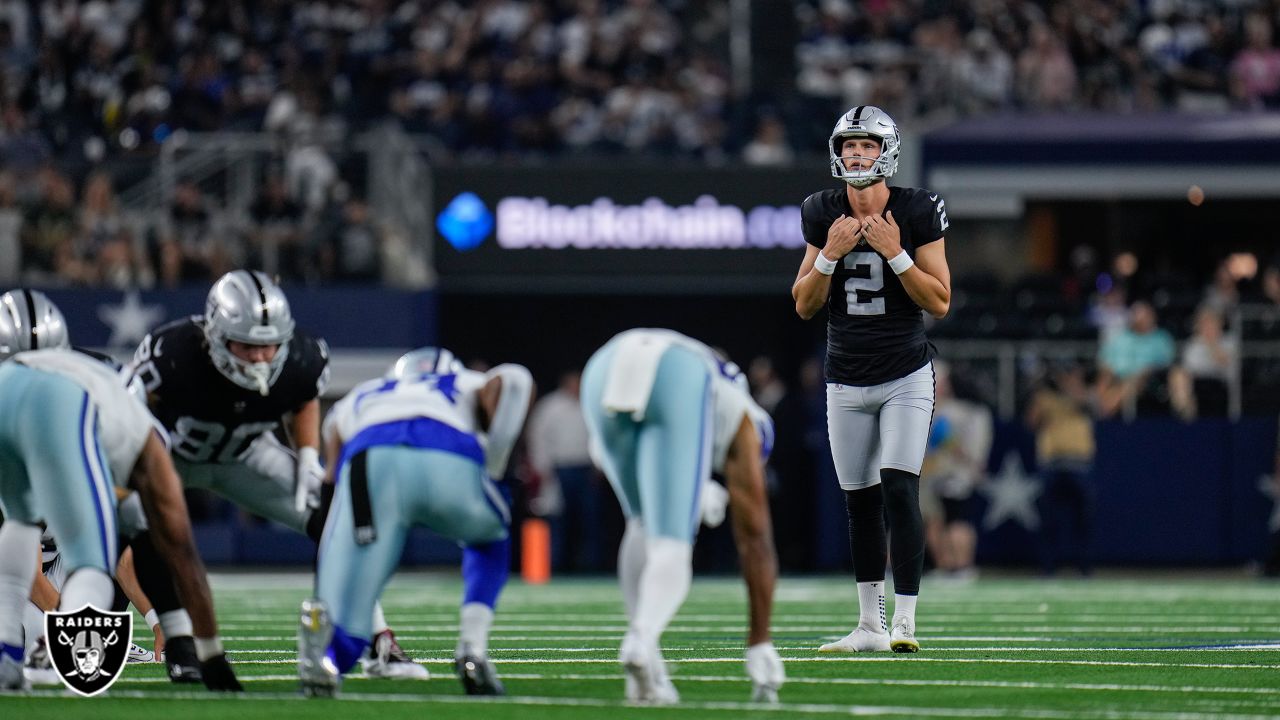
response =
{"points": [[69, 434], [663, 412], [419, 447], [221, 384], [875, 259]]}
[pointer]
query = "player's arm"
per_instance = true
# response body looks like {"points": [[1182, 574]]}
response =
{"points": [[43, 594], [813, 281], [925, 277], [128, 580], [157, 483], [752, 528], [309, 475]]}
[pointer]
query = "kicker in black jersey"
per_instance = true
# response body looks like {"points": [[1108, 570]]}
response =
{"points": [[875, 331], [211, 418]]}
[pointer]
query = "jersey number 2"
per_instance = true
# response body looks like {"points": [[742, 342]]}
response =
{"points": [[873, 282]]}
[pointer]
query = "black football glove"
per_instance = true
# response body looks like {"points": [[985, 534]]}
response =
{"points": [[218, 675]]}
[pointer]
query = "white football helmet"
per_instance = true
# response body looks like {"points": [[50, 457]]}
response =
{"points": [[248, 307], [30, 321], [425, 360], [866, 121]]}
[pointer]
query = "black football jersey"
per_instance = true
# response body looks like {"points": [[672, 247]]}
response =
{"points": [[875, 331], [210, 418]]}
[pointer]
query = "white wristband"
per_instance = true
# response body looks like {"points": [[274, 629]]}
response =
{"points": [[823, 265], [151, 618], [901, 262]]}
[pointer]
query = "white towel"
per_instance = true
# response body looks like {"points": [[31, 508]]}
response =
{"points": [[632, 372]]}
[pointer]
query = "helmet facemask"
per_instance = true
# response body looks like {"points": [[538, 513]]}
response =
{"points": [[249, 308], [872, 122]]}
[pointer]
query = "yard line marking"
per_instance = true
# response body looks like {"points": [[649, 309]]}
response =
{"points": [[699, 707], [850, 659], [1017, 685]]}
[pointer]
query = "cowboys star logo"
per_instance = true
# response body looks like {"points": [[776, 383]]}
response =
{"points": [[88, 647]]}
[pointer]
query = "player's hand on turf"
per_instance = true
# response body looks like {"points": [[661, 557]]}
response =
{"points": [[842, 237], [159, 642], [306, 492], [764, 667], [218, 675], [882, 234]]}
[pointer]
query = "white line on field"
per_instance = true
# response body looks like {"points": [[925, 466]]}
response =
{"points": [[701, 707], [1001, 684], [850, 659]]}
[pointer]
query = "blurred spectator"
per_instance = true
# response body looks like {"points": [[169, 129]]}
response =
{"points": [[351, 245], [275, 240], [1199, 386], [985, 73], [48, 231], [1046, 73], [1058, 413], [1131, 365], [767, 388], [769, 145], [1223, 295], [1108, 311], [955, 463], [1255, 72], [569, 490], [188, 251]]}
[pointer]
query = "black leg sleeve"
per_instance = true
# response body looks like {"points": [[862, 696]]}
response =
{"points": [[867, 542], [315, 523], [906, 528], [153, 575]]}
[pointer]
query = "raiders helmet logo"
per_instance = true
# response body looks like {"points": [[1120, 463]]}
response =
{"points": [[88, 647]]}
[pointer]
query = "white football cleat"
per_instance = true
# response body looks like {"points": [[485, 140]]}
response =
{"points": [[317, 675], [38, 667], [139, 654], [387, 660], [859, 641], [647, 681], [903, 636]]}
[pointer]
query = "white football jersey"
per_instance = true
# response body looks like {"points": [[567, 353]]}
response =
{"points": [[449, 398], [123, 421]]}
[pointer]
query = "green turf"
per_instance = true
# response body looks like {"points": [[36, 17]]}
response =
{"points": [[1155, 648]]}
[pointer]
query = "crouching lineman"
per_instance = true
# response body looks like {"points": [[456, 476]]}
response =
{"points": [[663, 412], [417, 448], [69, 432]]}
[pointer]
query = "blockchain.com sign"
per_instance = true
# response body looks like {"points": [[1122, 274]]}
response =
{"points": [[705, 224]]}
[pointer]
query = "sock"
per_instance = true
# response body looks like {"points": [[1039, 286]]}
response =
{"points": [[868, 544], [379, 619], [18, 544], [344, 650], [86, 586], [154, 578], [664, 584], [474, 621], [484, 572], [176, 623], [871, 606], [630, 565], [906, 528], [904, 606]]}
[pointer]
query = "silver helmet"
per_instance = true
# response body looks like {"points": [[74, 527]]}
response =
{"points": [[424, 360], [866, 121], [248, 307], [30, 321]]}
